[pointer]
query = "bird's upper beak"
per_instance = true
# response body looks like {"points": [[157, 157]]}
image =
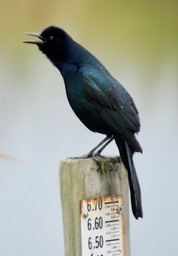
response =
{"points": [[37, 42]]}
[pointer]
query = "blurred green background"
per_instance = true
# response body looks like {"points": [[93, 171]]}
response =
{"points": [[138, 42]]}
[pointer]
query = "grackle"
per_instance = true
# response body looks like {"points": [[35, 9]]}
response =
{"points": [[101, 103]]}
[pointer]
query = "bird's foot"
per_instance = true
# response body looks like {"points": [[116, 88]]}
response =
{"points": [[90, 154]]}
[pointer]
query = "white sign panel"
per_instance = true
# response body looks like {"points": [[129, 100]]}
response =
{"points": [[102, 226]]}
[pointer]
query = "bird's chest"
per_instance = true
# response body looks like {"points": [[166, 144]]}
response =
{"points": [[83, 108]]}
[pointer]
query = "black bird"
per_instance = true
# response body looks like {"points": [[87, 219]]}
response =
{"points": [[101, 103]]}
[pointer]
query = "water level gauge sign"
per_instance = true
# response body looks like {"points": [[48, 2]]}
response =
{"points": [[102, 226]]}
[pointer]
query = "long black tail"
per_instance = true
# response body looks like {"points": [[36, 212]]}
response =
{"points": [[126, 154]]}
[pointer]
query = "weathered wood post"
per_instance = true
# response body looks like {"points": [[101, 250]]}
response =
{"points": [[86, 178]]}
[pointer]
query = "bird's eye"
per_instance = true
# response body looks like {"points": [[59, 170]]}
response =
{"points": [[51, 38]]}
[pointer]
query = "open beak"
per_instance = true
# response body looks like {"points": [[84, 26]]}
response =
{"points": [[37, 42]]}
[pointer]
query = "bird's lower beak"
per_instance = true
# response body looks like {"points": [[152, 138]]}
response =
{"points": [[38, 42]]}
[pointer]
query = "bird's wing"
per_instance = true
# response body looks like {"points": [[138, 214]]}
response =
{"points": [[116, 106]]}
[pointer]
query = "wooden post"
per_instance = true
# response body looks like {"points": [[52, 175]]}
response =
{"points": [[86, 178]]}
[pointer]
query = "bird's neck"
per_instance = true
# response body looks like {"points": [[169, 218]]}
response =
{"points": [[66, 68], [71, 62]]}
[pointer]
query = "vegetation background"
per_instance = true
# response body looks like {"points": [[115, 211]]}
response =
{"points": [[138, 42]]}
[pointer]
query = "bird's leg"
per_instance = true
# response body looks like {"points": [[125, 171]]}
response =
{"points": [[103, 147], [104, 141]]}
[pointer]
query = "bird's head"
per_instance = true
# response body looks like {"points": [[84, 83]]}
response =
{"points": [[52, 41]]}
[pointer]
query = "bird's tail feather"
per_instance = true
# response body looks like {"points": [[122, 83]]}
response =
{"points": [[127, 157]]}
